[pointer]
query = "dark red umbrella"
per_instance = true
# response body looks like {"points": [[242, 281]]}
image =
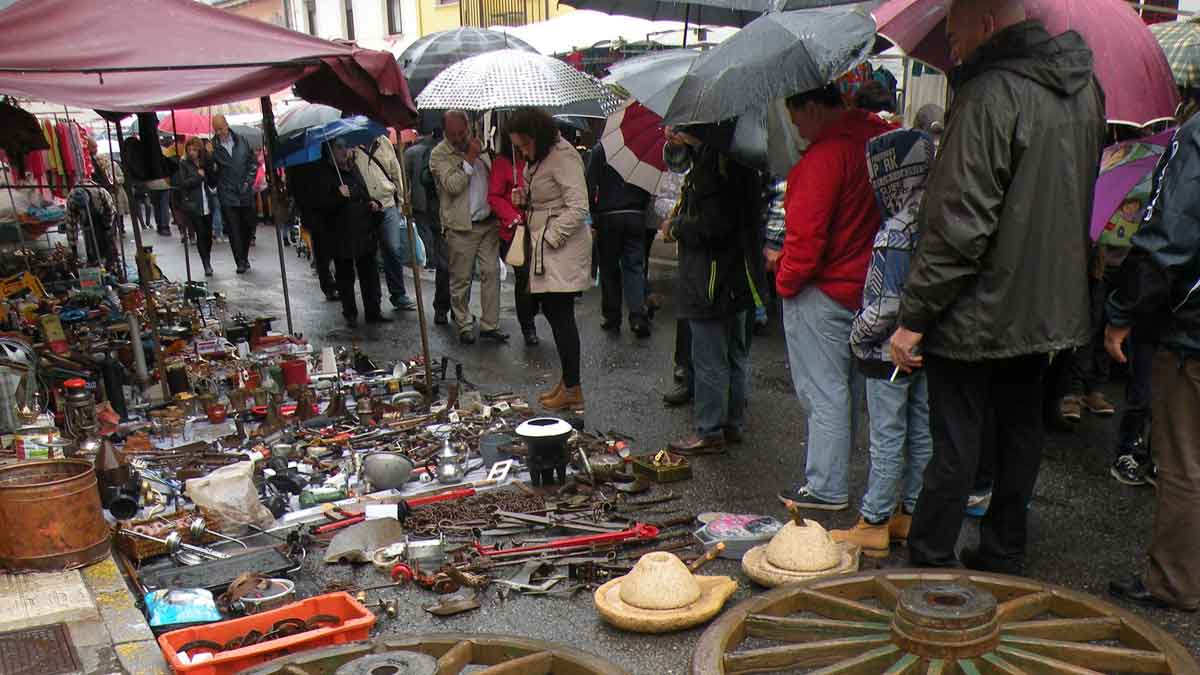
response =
{"points": [[633, 145], [1138, 86]]}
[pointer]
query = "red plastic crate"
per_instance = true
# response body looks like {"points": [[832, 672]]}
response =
{"points": [[356, 625]]}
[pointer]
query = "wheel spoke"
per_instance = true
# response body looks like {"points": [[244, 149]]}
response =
{"points": [[456, 658], [835, 607], [538, 663], [889, 593], [992, 664], [811, 655], [868, 663], [1024, 607], [1071, 630], [1118, 659], [1038, 663], [294, 669], [796, 629]]}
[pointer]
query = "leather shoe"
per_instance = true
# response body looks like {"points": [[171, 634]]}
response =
{"points": [[611, 326], [352, 321], [531, 337], [699, 445], [440, 319], [972, 559], [333, 297], [1133, 590], [680, 395], [494, 335], [734, 436], [466, 338], [378, 318], [641, 329]]}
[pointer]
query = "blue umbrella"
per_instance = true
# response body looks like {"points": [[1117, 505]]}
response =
{"points": [[306, 148]]}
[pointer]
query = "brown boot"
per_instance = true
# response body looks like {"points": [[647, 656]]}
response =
{"points": [[873, 539], [568, 398], [899, 526], [553, 393]]}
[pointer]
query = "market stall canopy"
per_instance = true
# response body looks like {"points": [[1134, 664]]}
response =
{"points": [[86, 53]]}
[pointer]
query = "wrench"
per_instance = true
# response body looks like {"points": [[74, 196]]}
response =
{"points": [[639, 531]]}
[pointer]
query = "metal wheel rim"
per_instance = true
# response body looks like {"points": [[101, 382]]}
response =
{"points": [[842, 626], [503, 654]]}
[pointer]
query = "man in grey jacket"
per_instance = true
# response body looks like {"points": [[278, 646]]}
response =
{"points": [[236, 165], [999, 280]]}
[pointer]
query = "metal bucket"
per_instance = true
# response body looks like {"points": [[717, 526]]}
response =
{"points": [[50, 516]]}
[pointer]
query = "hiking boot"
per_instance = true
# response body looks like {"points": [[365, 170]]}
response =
{"points": [[1098, 405], [803, 498], [1070, 408], [552, 394], [1129, 470], [680, 395], [874, 539], [569, 398], [899, 526]]}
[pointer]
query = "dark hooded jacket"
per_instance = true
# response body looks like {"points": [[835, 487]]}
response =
{"points": [[1001, 268], [1158, 287]]}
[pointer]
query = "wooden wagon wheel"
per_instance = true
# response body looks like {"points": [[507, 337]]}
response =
{"points": [[909, 622], [442, 654]]}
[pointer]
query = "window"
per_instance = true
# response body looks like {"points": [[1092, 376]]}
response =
{"points": [[310, 16], [395, 26], [349, 5]]}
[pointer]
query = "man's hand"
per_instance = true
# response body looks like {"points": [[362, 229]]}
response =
{"points": [[376, 206], [772, 257], [201, 171], [1114, 338], [904, 349], [344, 190], [473, 150]]}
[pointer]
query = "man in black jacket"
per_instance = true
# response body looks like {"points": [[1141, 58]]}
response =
{"points": [[1157, 292], [236, 165], [999, 279], [619, 214], [719, 210]]}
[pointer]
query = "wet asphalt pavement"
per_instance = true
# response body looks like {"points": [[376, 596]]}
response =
{"points": [[1085, 528]]}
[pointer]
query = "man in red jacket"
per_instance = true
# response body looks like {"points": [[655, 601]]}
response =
{"points": [[832, 218]]}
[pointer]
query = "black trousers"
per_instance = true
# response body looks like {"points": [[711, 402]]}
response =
{"points": [[559, 309], [962, 395], [368, 284], [526, 306], [620, 242], [202, 226], [238, 222], [439, 257], [683, 349]]}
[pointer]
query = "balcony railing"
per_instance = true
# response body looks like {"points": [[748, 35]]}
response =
{"points": [[488, 13]]}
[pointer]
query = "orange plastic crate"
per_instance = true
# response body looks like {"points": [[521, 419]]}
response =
{"points": [[356, 625]]}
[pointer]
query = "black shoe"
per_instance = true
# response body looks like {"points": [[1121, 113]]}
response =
{"points": [[734, 436], [466, 338], [378, 318], [242, 269], [1133, 590], [640, 327], [680, 374], [680, 395], [333, 296], [611, 325], [972, 559], [1133, 470], [440, 318], [531, 338], [494, 335], [351, 321], [802, 498], [208, 271]]}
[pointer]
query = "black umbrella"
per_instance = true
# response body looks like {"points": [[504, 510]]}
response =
{"points": [[704, 12], [432, 54], [775, 56]]}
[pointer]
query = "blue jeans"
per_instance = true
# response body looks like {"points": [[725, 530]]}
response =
{"points": [[397, 255], [721, 358], [901, 444], [215, 206], [818, 340]]}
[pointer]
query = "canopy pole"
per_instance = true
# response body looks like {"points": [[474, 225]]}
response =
{"points": [[269, 139], [405, 206], [187, 224], [687, 10], [120, 231], [143, 265]]}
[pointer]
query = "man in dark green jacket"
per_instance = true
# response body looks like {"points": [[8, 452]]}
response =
{"points": [[999, 280]]}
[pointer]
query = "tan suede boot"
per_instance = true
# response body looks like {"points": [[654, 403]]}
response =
{"points": [[553, 393], [873, 539], [568, 398], [899, 526]]}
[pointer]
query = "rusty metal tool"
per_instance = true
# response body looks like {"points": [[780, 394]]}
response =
{"points": [[639, 531]]}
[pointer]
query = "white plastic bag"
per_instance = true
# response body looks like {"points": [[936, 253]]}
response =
{"points": [[229, 495]]}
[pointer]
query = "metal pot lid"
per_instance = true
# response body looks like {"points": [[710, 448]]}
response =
{"points": [[544, 427]]}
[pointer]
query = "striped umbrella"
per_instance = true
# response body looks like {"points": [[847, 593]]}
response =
{"points": [[633, 145], [1180, 41]]}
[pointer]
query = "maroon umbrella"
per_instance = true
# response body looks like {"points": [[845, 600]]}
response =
{"points": [[633, 145], [1138, 85]]}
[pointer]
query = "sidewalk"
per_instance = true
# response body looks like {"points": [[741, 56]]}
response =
{"points": [[92, 607]]}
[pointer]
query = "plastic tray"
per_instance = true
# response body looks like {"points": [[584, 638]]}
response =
{"points": [[356, 625], [739, 532]]}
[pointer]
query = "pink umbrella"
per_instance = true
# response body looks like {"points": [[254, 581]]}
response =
{"points": [[1123, 187], [1138, 86], [191, 123]]}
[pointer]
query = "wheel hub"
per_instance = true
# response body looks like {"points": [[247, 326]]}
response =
{"points": [[946, 621], [391, 663]]}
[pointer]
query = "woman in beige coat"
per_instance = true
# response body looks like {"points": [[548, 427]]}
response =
{"points": [[559, 242]]}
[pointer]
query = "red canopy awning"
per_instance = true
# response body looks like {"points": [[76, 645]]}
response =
{"points": [[144, 55]]}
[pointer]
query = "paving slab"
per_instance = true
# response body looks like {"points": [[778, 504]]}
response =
{"points": [[28, 600], [142, 658], [125, 622]]}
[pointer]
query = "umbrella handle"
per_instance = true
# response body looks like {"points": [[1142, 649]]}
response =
{"points": [[334, 161]]}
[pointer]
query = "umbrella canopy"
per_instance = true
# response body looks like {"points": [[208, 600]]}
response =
{"points": [[1123, 187], [83, 53], [701, 12], [252, 135], [633, 145], [510, 78], [1136, 78], [1180, 42], [430, 55], [654, 78], [295, 120], [306, 147], [191, 123], [777, 55]]}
